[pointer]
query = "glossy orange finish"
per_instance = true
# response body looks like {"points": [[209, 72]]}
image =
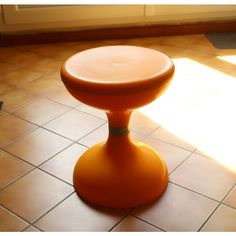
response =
{"points": [[118, 173], [132, 74]]}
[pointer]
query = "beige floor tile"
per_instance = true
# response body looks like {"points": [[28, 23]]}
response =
{"points": [[2, 113], [74, 215], [204, 45], [47, 50], [132, 224], [184, 41], [170, 51], [38, 113], [101, 134], [177, 210], [4, 87], [23, 58], [84, 45], [31, 229], [20, 76], [11, 168], [97, 136], [16, 98], [219, 64], [12, 127], [10, 222], [36, 193], [205, 176], [142, 124], [62, 165], [24, 47], [74, 124], [46, 65], [168, 137], [6, 67], [62, 96], [6, 52], [230, 200], [92, 111], [45, 84], [144, 42], [172, 155], [63, 55], [195, 55], [38, 146], [223, 220]]}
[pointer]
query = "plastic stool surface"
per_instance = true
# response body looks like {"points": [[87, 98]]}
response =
{"points": [[117, 69]]}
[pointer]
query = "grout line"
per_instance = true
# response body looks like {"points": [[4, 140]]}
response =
{"points": [[53, 207], [25, 119], [44, 96], [38, 166], [158, 139], [32, 223], [185, 159], [14, 213], [46, 172], [18, 178], [220, 203], [227, 195], [119, 221], [194, 191], [89, 133], [32, 226], [87, 113], [54, 132], [149, 223]]}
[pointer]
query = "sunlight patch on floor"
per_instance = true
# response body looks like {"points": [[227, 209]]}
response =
{"points": [[231, 59], [199, 107]]}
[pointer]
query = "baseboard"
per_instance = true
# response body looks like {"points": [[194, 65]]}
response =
{"points": [[115, 33]]}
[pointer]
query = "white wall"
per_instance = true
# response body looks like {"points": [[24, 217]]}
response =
{"points": [[48, 18]]}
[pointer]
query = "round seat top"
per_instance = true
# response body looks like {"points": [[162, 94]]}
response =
{"points": [[117, 69]]}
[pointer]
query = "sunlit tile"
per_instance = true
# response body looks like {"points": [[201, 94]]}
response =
{"points": [[223, 220], [230, 200], [177, 210], [172, 155], [205, 176]]}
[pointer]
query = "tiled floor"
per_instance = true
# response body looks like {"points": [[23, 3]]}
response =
{"points": [[43, 131]]}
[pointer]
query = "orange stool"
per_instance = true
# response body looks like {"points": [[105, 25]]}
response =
{"points": [[118, 173]]}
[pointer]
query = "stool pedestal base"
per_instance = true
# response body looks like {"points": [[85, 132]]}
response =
{"points": [[120, 173]]}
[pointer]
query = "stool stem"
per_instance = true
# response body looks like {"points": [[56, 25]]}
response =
{"points": [[119, 119]]}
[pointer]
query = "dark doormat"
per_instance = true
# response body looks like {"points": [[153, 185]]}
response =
{"points": [[226, 40]]}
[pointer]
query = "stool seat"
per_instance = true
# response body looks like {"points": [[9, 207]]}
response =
{"points": [[92, 75], [117, 70], [118, 172]]}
